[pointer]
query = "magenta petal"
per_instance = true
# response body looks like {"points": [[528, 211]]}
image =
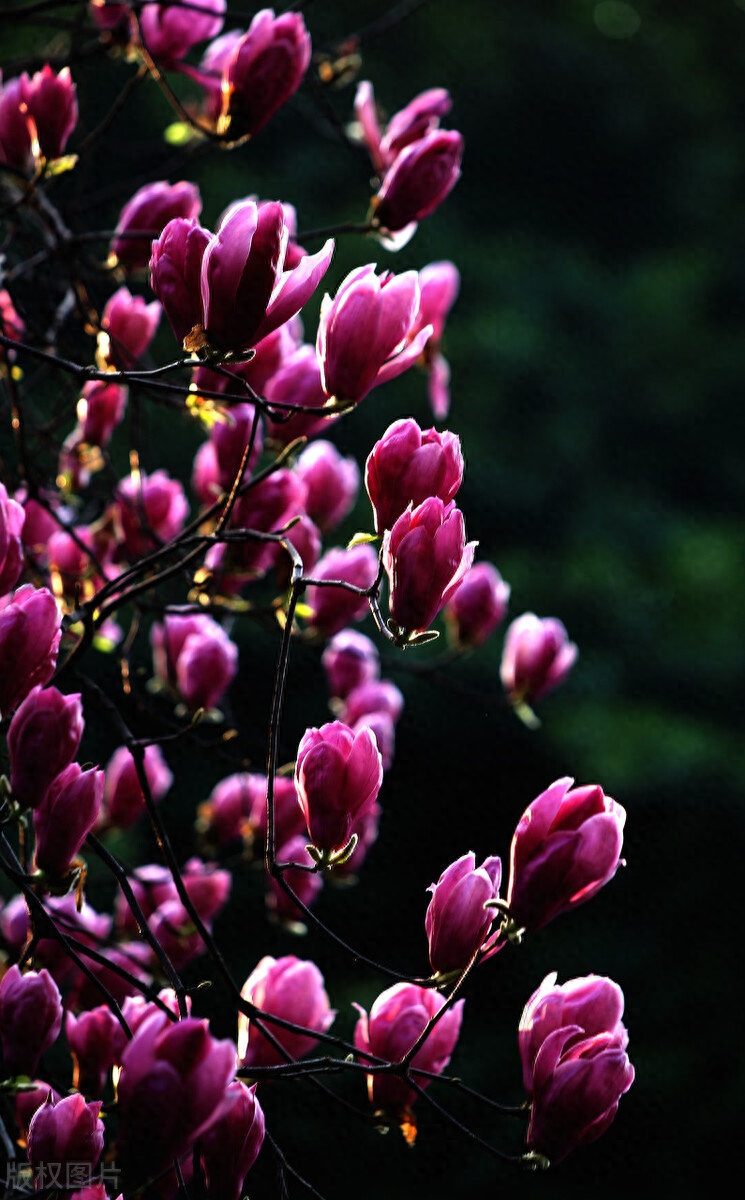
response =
{"points": [[295, 289], [405, 359]]}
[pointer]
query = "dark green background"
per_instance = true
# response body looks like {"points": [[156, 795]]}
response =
{"points": [[597, 375]]}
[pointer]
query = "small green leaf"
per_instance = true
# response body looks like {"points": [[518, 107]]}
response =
{"points": [[179, 133], [58, 166], [362, 539], [421, 639]]}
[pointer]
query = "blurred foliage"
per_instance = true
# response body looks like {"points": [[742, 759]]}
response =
{"points": [[598, 363]]}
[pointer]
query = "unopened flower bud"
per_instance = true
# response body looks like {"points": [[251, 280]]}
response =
{"points": [[457, 923], [395, 1021], [478, 606], [68, 1131], [426, 557], [332, 482], [566, 847], [43, 739], [349, 660], [149, 211], [129, 326], [29, 639], [332, 608], [338, 776], [407, 465], [537, 657], [65, 817], [289, 988], [230, 1147], [30, 1019]]}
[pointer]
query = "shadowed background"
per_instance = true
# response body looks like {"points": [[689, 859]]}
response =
{"points": [[597, 360]]}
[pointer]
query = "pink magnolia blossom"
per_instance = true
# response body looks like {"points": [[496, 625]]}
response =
{"points": [[338, 776], [229, 290], [128, 327], [418, 180], [265, 508], [123, 799], [93, 1038], [349, 660], [43, 739], [397, 1018], [567, 845], [363, 333], [30, 1019], [375, 696], [573, 1048], [332, 482], [426, 557], [12, 517], [29, 639], [334, 607], [297, 382], [66, 816], [195, 655], [407, 465], [169, 31], [259, 71], [478, 606], [593, 1002], [230, 1147], [37, 115], [173, 1079], [26, 1103], [289, 988], [151, 509], [148, 212], [66, 1131], [384, 731], [100, 410], [456, 923], [418, 118], [537, 657], [222, 819]]}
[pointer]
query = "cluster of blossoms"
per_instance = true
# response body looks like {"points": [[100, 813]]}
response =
{"points": [[268, 496]]}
